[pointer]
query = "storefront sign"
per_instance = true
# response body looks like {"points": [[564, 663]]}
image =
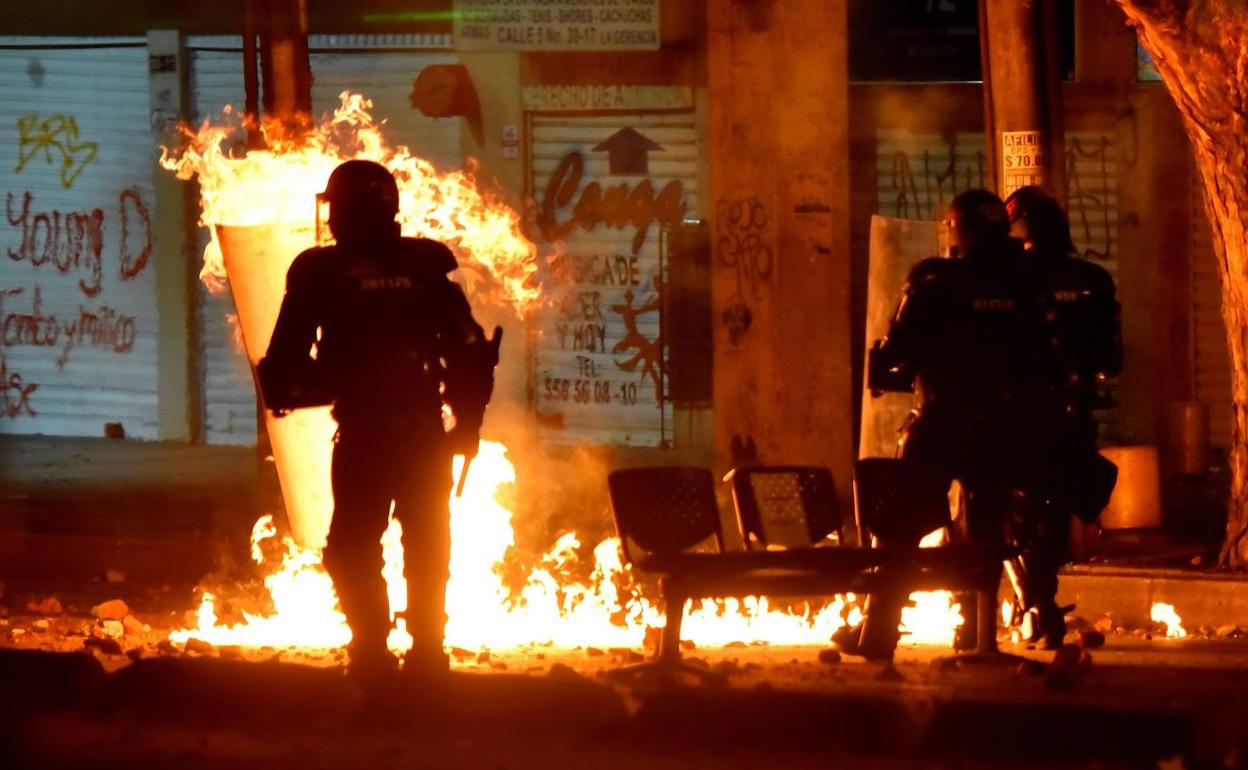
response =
{"points": [[606, 97], [556, 25]]}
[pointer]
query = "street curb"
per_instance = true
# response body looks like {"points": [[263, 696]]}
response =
{"points": [[1127, 595]]}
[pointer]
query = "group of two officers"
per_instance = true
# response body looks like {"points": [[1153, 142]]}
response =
{"points": [[1007, 346]]}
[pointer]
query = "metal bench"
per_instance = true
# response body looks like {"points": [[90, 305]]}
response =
{"points": [[669, 525]]}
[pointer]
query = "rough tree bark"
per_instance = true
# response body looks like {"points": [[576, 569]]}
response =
{"points": [[1200, 48]]}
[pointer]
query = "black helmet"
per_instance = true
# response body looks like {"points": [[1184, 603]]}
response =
{"points": [[1046, 223], [978, 217], [362, 185]]}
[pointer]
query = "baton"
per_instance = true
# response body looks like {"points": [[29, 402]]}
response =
{"points": [[495, 342], [463, 475]]}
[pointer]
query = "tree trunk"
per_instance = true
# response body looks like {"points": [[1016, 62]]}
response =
{"points": [[1199, 48]]}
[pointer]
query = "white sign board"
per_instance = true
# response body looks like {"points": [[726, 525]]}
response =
{"points": [[606, 187], [556, 25], [1022, 160]]}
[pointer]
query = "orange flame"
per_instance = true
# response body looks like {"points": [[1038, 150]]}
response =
{"points": [[277, 184], [483, 613]]}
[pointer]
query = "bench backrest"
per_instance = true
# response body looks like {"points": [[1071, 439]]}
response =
{"points": [[664, 510], [785, 505], [898, 501]]}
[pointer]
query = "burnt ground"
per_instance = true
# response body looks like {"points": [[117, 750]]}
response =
{"points": [[66, 701]]}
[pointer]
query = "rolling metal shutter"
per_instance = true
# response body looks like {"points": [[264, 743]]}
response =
{"points": [[917, 174], [77, 292], [600, 357], [381, 67], [1211, 362]]}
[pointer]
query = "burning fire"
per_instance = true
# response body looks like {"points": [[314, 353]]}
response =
{"points": [[274, 186], [1164, 613], [483, 613]]}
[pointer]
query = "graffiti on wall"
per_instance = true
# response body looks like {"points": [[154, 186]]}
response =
{"points": [[923, 176], [55, 138], [67, 246], [1089, 184], [743, 245]]}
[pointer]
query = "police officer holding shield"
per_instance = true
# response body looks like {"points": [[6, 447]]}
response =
{"points": [[374, 326]]}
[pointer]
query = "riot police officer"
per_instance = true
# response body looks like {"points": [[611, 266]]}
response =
{"points": [[374, 325], [965, 338], [1083, 348]]}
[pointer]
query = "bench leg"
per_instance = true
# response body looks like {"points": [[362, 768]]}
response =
{"points": [[674, 602], [667, 666], [986, 650], [985, 623]]}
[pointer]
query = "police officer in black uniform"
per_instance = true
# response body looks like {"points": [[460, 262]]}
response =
{"points": [[966, 339], [1083, 349], [374, 325]]}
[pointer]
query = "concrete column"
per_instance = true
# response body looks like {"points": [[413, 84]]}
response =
{"points": [[1022, 95], [779, 134], [173, 219]]}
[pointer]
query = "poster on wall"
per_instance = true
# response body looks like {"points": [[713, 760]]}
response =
{"points": [[556, 25], [78, 318], [607, 188], [1022, 160]]}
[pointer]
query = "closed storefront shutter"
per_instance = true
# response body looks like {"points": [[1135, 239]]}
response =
{"points": [[77, 290], [1211, 362], [607, 186], [918, 173], [381, 68]]}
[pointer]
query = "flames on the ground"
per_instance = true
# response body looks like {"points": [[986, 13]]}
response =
{"points": [[277, 185], [483, 613], [1166, 615]]}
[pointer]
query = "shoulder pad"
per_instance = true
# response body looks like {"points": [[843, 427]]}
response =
{"points": [[931, 269], [309, 263], [433, 253], [1093, 274]]}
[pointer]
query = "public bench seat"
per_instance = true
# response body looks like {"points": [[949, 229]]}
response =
{"points": [[669, 525]]}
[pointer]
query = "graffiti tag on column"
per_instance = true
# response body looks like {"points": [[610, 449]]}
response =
{"points": [[649, 355], [743, 245], [1086, 198], [55, 137], [919, 187]]}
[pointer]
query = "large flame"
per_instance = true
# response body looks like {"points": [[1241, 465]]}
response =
{"points": [[484, 614], [275, 185]]}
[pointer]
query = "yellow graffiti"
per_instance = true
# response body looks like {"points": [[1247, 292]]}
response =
{"points": [[55, 134]]}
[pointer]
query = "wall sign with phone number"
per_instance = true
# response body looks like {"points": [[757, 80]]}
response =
{"points": [[590, 391]]}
